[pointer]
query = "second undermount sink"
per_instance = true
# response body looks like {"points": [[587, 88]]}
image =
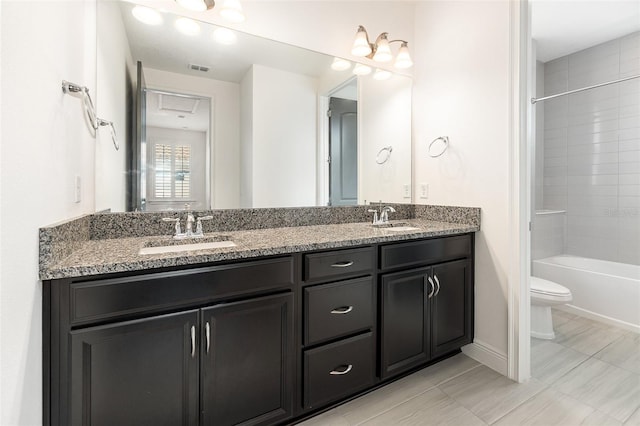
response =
{"points": [[186, 244], [396, 226]]}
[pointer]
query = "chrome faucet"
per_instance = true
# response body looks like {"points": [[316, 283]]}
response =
{"points": [[189, 232], [384, 216]]}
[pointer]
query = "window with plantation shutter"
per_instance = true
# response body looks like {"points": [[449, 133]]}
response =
{"points": [[172, 171]]}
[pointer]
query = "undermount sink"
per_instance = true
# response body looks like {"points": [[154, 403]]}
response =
{"points": [[396, 226], [186, 244]]}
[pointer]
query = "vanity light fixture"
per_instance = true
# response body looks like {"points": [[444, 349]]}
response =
{"points": [[380, 51], [381, 75], [147, 15], [187, 26], [340, 64], [224, 36], [231, 9], [361, 69], [197, 5]]}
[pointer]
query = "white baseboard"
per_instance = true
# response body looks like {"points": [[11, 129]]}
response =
{"points": [[597, 317], [487, 355]]}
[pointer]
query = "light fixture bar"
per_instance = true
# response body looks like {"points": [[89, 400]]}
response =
{"points": [[380, 51]]}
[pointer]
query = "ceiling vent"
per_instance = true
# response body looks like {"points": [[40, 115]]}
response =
{"points": [[186, 104], [196, 67]]}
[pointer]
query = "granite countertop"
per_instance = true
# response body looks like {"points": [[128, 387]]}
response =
{"points": [[104, 256]]}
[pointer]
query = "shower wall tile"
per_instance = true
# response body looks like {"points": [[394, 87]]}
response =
{"points": [[548, 235], [592, 152]]}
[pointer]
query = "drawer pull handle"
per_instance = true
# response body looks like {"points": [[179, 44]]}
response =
{"points": [[438, 283], [340, 373], [342, 310], [342, 264], [207, 332], [433, 288], [193, 341]]}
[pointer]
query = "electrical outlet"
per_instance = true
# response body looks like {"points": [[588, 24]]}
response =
{"points": [[424, 191], [406, 191], [77, 189]]}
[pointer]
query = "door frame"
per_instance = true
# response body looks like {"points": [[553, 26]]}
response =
{"points": [[518, 298]]}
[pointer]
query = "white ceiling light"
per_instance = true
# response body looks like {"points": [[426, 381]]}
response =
{"points": [[224, 36], [147, 15], [232, 11], [340, 64], [380, 51], [197, 5], [382, 75], [187, 26], [361, 69]]}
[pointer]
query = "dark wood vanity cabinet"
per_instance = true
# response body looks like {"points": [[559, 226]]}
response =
{"points": [[202, 346], [254, 342], [426, 312]]}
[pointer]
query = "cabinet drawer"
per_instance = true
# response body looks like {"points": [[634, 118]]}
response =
{"points": [[336, 309], [120, 297], [338, 263], [424, 252], [338, 370]]}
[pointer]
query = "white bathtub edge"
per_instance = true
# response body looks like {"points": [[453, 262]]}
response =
{"points": [[487, 355], [597, 317]]}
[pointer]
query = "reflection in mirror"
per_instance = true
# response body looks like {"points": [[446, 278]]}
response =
{"points": [[266, 137]]}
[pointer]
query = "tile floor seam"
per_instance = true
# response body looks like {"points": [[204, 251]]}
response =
{"points": [[435, 386], [523, 402], [569, 370], [637, 410]]}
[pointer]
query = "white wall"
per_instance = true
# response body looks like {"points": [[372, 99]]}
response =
{"points": [[45, 143], [461, 90], [381, 103], [284, 127], [246, 139], [115, 67], [225, 119]]}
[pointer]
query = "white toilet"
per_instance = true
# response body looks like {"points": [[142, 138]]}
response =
{"points": [[545, 294]]}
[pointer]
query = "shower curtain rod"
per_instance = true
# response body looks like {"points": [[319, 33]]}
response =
{"points": [[534, 100]]}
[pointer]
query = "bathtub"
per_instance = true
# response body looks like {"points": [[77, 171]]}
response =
{"points": [[602, 290]]}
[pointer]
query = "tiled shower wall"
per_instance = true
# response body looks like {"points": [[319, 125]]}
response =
{"points": [[592, 150]]}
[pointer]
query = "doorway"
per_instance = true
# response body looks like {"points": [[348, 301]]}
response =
{"points": [[343, 152]]}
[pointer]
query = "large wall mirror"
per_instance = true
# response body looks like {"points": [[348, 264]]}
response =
{"points": [[216, 118]]}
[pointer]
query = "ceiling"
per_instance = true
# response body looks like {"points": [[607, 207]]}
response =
{"points": [[564, 27]]}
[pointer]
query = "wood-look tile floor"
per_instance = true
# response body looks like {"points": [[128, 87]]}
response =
{"points": [[588, 375]]}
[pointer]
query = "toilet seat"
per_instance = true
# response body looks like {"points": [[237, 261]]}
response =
{"points": [[544, 290]]}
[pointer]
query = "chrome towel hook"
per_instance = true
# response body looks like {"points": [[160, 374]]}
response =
{"points": [[434, 153], [114, 137], [384, 154]]}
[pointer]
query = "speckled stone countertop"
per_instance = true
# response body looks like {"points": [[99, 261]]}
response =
{"points": [[102, 256]]}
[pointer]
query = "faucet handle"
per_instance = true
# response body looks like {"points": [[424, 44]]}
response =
{"points": [[375, 215], [199, 224], [176, 220]]}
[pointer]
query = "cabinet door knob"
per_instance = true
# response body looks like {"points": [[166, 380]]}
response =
{"points": [[342, 264], [193, 341], [336, 372], [433, 287], [437, 283], [207, 332], [342, 310]]}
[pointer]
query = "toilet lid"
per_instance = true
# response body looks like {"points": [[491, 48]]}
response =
{"points": [[538, 285]]}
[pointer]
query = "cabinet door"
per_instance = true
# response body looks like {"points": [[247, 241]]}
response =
{"points": [[142, 372], [247, 361], [452, 307], [405, 321]]}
